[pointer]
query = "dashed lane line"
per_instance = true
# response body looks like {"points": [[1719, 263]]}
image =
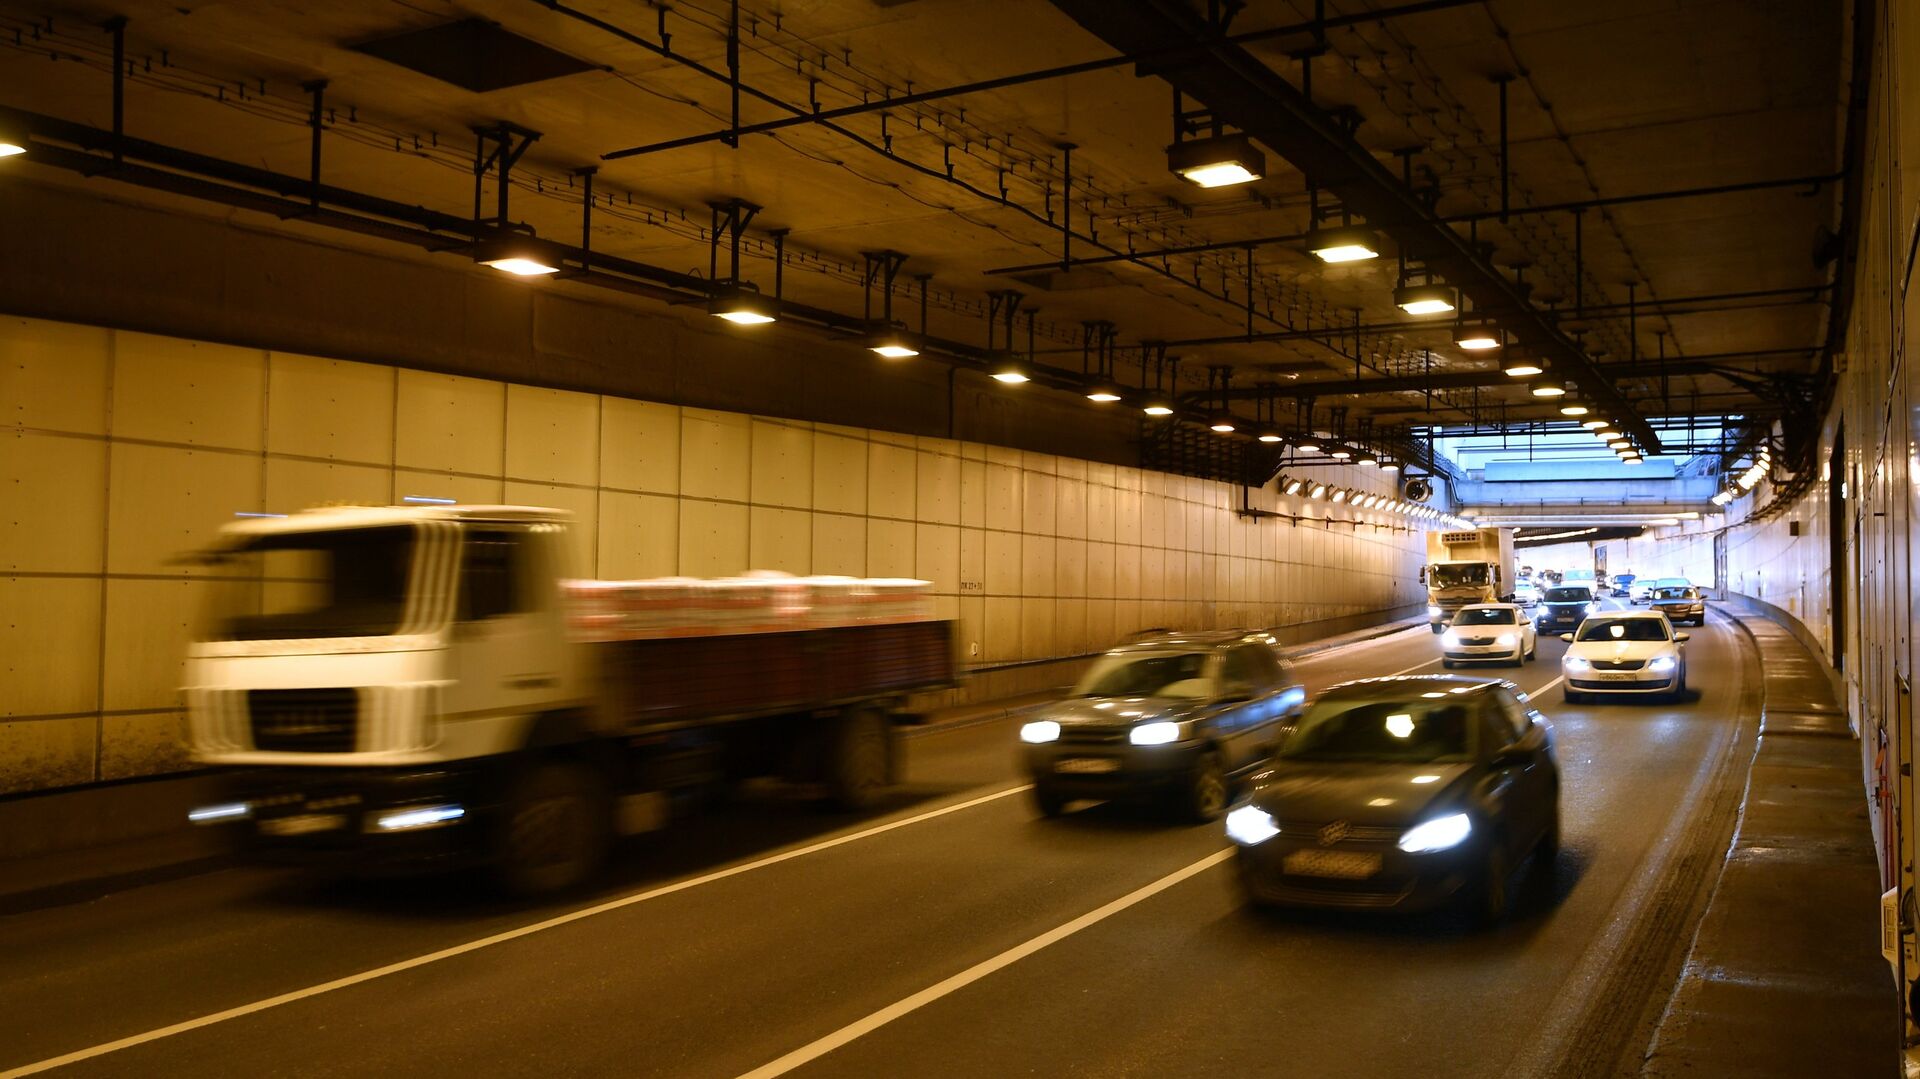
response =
{"points": [[159, 1033], [852, 1031]]}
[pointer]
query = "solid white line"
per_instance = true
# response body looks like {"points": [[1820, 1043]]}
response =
{"points": [[1532, 693], [1415, 667], [487, 942], [821, 1047]]}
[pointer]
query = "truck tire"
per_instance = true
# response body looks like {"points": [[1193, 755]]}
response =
{"points": [[555, 829], [860, 758]]}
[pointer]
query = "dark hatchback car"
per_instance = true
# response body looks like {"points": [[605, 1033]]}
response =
{"points": [[1563, 608], [1179, 716], [1400, 794]]}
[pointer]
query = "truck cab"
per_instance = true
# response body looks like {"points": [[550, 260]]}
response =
{"points": [[1465, 568]]}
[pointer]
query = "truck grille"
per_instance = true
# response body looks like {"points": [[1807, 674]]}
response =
{"points": [[304, 720]]}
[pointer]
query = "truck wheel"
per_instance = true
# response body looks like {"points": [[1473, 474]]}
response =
{"points": [[555, 831], [1203, 797], [859, 767]]}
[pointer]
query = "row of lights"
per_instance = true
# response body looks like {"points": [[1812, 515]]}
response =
{"points": [[1748, 480], [1314, 490]]}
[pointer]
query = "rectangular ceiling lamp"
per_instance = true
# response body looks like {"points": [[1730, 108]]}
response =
{"points": [[1217, 160], [1348, 244]]}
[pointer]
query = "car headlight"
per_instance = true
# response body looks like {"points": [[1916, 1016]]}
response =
{"points": [[1433, 612], [1575, 663], [1506, 640], [1440, 833], [1040, 730], [1157, 733], [1249, 825], [1660, 663], [1450, 637]]}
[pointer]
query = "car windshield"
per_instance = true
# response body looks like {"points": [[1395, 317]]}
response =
{"points": [[1568, 595], [1626, 629], [1675, 593], [1484, 616], [1147, 674], [1670, 582], [1453, 576], [348, 582], [1384, 729]]}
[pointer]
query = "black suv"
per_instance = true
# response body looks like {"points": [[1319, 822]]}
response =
{"points": [[1179, 715]]}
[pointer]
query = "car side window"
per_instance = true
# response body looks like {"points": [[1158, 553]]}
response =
{"points": [[1513, 716], [1242, 669]]}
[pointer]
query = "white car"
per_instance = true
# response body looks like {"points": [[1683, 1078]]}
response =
{"points": [[1629, 652], [1488, 632], [1526, 595]]}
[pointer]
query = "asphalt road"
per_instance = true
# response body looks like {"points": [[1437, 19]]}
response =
{"points": [[952, 933]]}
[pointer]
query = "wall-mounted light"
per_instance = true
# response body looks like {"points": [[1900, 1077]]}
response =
{"points": [[1217, 160], [1424, 299], [1476, 337], [891, 343], [1293, 486], [1319, 489], [521, 256], [1339, 495], [1348, 244], [744, 307]]}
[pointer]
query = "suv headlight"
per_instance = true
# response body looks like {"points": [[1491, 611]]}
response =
{"points": [[1660, 663], [1249, 825], [1040, 730], [1157, 733], [1440, 833], [1575, 663]]}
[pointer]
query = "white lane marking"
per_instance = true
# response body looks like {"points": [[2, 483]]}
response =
{"points": [[1415, 667], [1532, 693], [487, 942], [815, 1049]]}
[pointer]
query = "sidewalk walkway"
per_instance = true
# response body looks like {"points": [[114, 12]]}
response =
{"points": [[1785, 977]]}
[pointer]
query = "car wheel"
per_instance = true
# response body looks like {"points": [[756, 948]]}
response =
{"points": [[555, 831], [1048, 801], [1204, 796], [1489, 896]]}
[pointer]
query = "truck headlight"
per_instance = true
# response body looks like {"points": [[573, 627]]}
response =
{"points": [[1575, 663], [1157, 733], [1433, 612], [1440, 833], [1040, 730], [1662, 664], [1249, 825]]}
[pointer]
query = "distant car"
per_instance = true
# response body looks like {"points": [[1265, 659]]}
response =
{"points": [[1488, 632], [1623, 584], [1681, 605], [1562, 607], [1627, 652], [1400, 794], [1182, 716], [1526, 594], [1643, 588]]}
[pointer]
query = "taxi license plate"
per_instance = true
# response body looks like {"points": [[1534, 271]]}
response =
{"points": [[1342, 864], [302, 824], [1087, 765], [1618, 676]]}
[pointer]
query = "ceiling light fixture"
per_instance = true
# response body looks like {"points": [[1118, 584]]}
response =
{"points": [[1424, 299], [1619, 444], [521, 256], [1217, 160], [1104, 391], [1367, 460], [1389, 466], [743, 308], [1010, 371], [892, 344], [1607, 434], [1270, 436], [1573, 408], [1476, 337], [1518, 366], [1348, 244], [1221, 423], [1307, 445], [1548, 389], [1339, 454], [1595, 425]]}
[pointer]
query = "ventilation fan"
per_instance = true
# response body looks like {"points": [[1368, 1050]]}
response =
{"points": [[1417, 489]]}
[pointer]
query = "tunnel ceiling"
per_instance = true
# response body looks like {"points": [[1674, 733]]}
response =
{"points": [[1604, 102]]}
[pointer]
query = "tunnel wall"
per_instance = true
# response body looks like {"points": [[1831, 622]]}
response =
{"points": [[121, 451]]}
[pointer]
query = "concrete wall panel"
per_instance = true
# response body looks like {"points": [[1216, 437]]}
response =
{"points": [[39, 472], [640, 446], [450, 424], [53, 375], [49, 645], [167, 502], [169, 390], [329, 408], [553, 436]]}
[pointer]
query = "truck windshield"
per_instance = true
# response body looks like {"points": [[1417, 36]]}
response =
{"points": [[348, 582], [1445, 576], [1147, 674]]}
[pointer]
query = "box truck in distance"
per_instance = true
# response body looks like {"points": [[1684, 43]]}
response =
{"points": [[428, 686], [1469, 566]]}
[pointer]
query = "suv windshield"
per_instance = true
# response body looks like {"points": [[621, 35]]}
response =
{"points": [[1568, 595], [1454, 576], [1626, 629], [1148, 674], [1390, 729], [1484, 616], [348, 582]]}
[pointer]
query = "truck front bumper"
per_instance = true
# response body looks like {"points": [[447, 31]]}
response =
{"points": [[365, 820]]}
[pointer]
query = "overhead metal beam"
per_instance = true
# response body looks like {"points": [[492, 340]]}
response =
{"points": [[1242, 91]]}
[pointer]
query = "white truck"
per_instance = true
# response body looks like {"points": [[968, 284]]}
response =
{"points": [[1468, 566], [428, 686]]}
